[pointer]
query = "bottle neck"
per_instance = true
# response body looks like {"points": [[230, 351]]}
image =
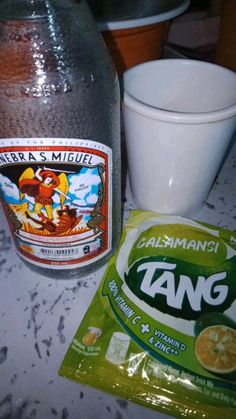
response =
{"points": [[33, 9]]}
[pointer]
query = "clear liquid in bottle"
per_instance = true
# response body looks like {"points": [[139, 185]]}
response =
{"points": [[59, 137]]}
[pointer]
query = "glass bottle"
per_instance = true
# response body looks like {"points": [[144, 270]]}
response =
{"points": [[59, 137]]}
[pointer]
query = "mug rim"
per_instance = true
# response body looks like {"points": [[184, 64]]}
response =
{"points": [[162, 114]]}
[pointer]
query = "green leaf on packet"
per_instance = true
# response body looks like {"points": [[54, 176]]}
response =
{"points": [[161, 329]]}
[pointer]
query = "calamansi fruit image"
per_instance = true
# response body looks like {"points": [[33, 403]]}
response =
{"points": [[215, 349]]}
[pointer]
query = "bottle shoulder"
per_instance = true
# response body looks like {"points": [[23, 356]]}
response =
{"points": [[39, 50], [40, 9]]}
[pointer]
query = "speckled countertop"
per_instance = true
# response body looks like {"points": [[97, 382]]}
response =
{"points": [[39, 317]]}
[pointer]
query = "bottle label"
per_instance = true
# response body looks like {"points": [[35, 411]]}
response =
{"points": [[57, 196]]}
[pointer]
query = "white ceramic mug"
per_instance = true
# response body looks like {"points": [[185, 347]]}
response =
{"points": [[179, 117]]}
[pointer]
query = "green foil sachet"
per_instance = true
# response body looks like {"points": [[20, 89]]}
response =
{"points": [[161, 329]]}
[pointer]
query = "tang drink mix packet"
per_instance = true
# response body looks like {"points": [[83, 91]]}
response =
{"points": [[161, 329]]}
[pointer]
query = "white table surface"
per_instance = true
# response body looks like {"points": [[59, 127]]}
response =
{"points": [[39, 318]]}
